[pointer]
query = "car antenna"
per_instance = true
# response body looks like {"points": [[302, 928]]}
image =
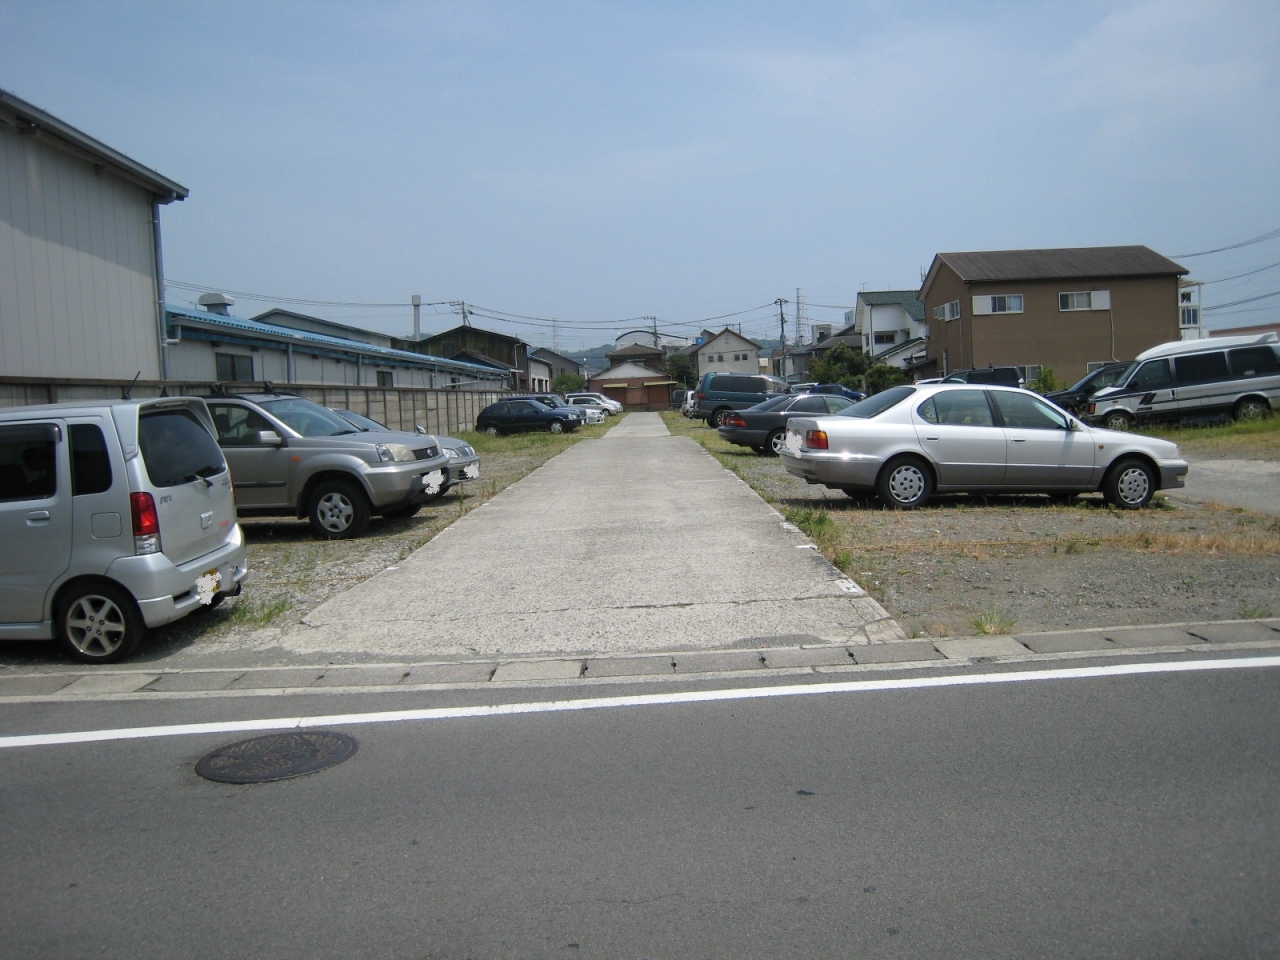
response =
{"points": [[127, 390], [268, 388]]}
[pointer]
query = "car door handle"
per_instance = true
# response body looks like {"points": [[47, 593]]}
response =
{"points": [[931, 438], [1018, 439], [38, 516]]}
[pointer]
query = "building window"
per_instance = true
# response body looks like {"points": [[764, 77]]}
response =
{"points": [[386, 378], [1003, 303], [1190, 317], [232, 367], [1085, 300], [948, 311], [883, 338]]}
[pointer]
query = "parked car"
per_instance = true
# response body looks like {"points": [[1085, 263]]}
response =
{"points": [[464, 462], [557, 402], [763, 427], [1216, 378], [1006, 376], [1075, 398], [838, 389], [718, 393], [116, 517], [689, 408], [291, 457], [518, 414], [608, 402], [591, 403], [908, 442]]}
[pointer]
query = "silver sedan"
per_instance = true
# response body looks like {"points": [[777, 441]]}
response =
{"points": [[910, 442]]}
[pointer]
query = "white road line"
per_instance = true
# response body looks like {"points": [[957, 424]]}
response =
{"points": [[641, 700]]}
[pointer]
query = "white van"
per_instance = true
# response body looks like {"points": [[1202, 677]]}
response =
{"points": [[115, 516], [1207, 379]]}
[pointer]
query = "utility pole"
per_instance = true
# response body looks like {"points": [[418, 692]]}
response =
{"points": [[800, 330], [417, 317], [782, 321], [656, 345], [555, 336], [462, 306]]}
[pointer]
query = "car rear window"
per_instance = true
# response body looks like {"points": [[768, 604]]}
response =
{"points": [[878, 404], [177, 448], [1201, 367]]}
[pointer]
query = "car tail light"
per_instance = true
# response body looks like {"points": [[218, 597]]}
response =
{"points": [[701, 396], [815, 439], [146, 523], [732, 420], [1093, 408]]}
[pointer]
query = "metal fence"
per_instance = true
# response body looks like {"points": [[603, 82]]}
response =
{"points": [[439, 410]]}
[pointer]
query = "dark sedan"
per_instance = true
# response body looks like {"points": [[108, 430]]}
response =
{"points": [[517, 415], [1076, 397], [763, 427]]}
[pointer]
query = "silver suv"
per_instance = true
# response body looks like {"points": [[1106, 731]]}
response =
{"points": [[292, 457], [115, 516]]}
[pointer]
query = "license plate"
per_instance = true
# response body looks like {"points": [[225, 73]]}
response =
{"points": [[471, 471]]}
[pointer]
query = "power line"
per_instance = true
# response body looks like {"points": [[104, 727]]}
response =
{"points": [[1270, 266], [262, 296], [1234, 246], [1236, 303]]}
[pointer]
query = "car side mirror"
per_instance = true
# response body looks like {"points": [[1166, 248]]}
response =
{"points": [[269, 438], [1074, 425]]}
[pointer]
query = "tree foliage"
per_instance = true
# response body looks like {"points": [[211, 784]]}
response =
{"points": [[680, 366], [566, 382], [1045, 382], [853, 368]]}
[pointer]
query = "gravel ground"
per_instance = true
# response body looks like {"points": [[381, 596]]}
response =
{"points": [[968, 565], [959, 567]]}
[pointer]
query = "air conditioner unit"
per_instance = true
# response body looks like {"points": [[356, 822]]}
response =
{"points": [[821, 331]]}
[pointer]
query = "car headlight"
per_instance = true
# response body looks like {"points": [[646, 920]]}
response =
{"points": [[451, 453], [394, 452]]}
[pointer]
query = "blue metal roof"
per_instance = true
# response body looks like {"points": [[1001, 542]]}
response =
{"points": [[273, 332]]}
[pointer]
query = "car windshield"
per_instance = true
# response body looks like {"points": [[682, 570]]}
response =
{"points": [[364, 423], [878, 404], [1102, 378], [308, 418]]}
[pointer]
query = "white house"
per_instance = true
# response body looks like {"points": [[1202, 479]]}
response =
{"points": [[890, 325], [729, 352]]}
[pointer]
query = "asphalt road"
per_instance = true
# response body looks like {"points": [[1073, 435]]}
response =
{"points": [[1251, 484], [1057, 816]]}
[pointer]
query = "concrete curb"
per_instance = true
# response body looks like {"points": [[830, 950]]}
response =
{"points": [[131, 683]]}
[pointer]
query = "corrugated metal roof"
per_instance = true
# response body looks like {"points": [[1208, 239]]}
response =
{"points": [[274, 332], [907, 299], [1068, 263]]}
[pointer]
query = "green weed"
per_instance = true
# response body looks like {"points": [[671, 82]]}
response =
{"points": [[991, 620]]}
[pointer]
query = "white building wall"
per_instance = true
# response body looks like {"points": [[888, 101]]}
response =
{"points": [[77, 267]]}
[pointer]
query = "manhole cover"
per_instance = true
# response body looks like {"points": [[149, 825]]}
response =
{"points": [[277, 756]]}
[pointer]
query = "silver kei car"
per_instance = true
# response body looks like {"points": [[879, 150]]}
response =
{"points": [[910, 442]]}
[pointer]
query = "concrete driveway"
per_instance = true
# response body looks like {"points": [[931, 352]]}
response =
{"points": [[638, 541]]}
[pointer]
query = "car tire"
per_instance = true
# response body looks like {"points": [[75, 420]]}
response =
{"points": [[1251, 408], [905, 483], [1118, 420], [492, 431], [1129, 484], [99, 622], [776, 443], [717, 418], [338, 510], [555, 426]]}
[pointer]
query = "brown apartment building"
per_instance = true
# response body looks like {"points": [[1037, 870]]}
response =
{"points": [[1068, 309]]}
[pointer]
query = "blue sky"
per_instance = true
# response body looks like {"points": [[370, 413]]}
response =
{"points": [[595, 162]]}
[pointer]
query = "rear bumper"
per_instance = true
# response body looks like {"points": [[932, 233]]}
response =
{"points": [[166, 592], [834, 471]]}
